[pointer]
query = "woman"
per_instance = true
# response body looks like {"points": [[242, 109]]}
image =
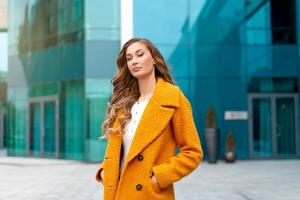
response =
{"points": [[147, 118]]}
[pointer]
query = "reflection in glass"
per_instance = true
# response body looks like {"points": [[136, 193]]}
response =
{"points": [[51, 24]]}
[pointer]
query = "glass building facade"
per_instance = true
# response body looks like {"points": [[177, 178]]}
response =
{"points": [[61, 59], [240, 57]]}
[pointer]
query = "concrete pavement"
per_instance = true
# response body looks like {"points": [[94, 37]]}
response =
{"points": [[50, 179]]}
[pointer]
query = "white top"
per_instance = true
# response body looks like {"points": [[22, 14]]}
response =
{"points": [[137, 111]]}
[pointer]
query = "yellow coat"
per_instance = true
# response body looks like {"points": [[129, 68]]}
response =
{"points": [[167, 123]]}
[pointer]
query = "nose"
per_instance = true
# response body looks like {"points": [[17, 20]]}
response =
{"points": [[134, 61]]}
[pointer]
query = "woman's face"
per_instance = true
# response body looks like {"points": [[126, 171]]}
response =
{"points": [[139, 60]]}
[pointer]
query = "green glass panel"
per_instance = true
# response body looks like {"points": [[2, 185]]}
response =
{"points": [[251, 6], [35, 127], [48, 89], [262, 131], [10, 124], [73, 133], [49, 120], [285, 127], [96, 113], [20, 127]]}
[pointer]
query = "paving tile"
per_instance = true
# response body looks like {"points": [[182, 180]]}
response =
{"points": [[50, 179]]}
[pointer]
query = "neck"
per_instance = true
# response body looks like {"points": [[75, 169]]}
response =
{"points": [[146, 87]]}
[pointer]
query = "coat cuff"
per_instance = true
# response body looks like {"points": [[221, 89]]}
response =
{"points": [[163, 179]]}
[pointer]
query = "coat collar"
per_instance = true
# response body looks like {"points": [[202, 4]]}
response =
{"points": [[165, 94], [155, 118]]}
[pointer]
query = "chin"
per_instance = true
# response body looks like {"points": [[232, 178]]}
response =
{"points": [[138, 75], [141, 75]]}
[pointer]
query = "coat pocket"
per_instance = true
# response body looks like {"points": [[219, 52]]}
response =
{"points": [[154, 186]]}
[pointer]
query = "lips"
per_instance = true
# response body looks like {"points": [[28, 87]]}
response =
{"points": [[136, 69]]}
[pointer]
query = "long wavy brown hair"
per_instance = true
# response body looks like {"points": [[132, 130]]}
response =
{"points": [[126, 91]]}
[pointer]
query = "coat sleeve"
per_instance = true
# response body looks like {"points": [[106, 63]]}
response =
{"points": [[187, 139]]}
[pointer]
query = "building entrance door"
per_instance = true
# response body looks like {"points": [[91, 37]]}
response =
{"points": [[273, 125], [43, 133]]}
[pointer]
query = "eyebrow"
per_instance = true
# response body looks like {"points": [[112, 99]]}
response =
{"points": [[128, 54]]}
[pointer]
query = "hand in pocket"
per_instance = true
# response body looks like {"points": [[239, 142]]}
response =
{"points": [[154, 179]]}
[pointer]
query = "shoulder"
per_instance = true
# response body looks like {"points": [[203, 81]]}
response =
{"points": [[171, 95]]}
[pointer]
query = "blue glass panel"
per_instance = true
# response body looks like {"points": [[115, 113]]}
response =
{"points": [[258, 60], [184, 84], [213, 91], [276, 60], [215, 22], [100, 58], [160, 22], [217, 61], [258, 24], [260, 18], [177, 56], [284, 60]]}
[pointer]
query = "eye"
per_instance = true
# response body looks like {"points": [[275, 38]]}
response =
{"points": [[128, 59], [140, 54]]}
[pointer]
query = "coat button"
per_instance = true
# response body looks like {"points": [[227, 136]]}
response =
{"points": [[140, 157], [138, 187]]}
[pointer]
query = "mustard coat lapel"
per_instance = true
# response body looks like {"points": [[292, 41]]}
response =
{"points": [[155, 118]]}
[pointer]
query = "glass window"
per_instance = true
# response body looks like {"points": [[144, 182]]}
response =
{"points": [[273, 85], [283, 22], [37, 24], [102, 20], [258, 27]]}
